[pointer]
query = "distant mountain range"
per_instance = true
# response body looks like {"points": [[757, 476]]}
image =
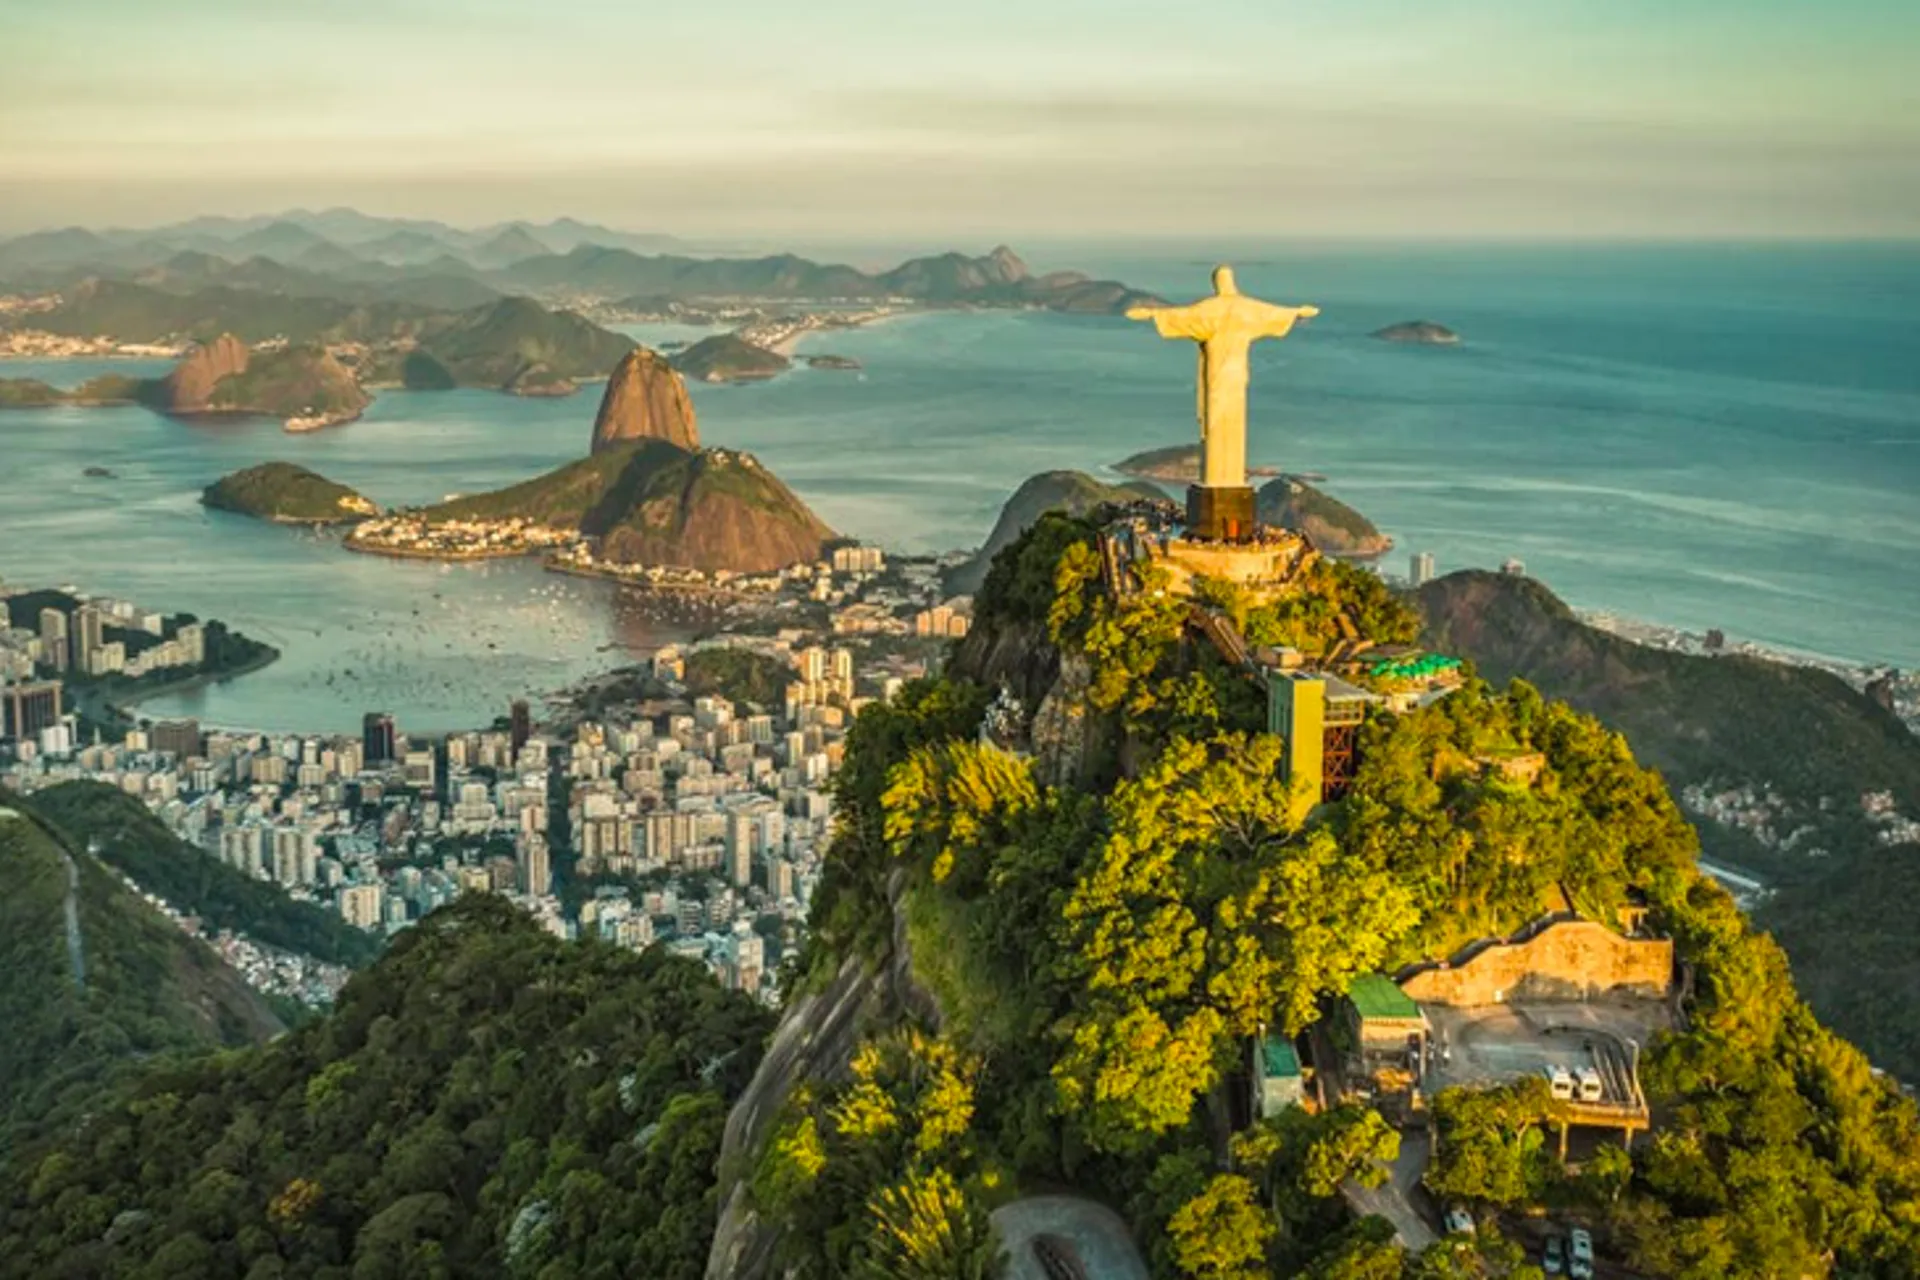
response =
{"points": [[329, 239], [348, 257]]}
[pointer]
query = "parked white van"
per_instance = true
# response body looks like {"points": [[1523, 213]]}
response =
{"points": [[1560, 1080]]}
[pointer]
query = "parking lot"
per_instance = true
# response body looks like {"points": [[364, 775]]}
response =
{"points": [[1496, 1044]]}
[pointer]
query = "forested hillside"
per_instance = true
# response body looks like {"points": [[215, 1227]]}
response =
{"points": [[92, 982], [486, 1101], [125, 835], [1101, 941]]}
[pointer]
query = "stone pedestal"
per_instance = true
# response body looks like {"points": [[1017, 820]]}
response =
{"points": [[1220, 514]]}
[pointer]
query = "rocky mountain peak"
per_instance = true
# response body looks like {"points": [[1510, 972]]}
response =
{"points": [[645, 400], [189, 387], [1006, 265]]}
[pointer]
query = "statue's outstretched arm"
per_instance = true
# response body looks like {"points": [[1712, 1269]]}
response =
{"points": [[1175, 322], [1280, 320]]}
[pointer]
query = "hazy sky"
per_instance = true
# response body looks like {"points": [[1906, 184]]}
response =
{"points": [[977, 118]]}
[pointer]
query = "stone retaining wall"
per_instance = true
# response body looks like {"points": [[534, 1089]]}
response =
{"points": [[1569, 960]]}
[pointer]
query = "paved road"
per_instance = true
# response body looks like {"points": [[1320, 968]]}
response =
{"points": [[1097, 1234], [1397, 1197]]}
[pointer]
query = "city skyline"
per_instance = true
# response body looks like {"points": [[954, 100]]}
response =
{"points": [[846, 120]]}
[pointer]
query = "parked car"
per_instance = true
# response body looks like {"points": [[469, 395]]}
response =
{"points": [[1579, 1254], [1554, 1261], [1591, 1089], [1057, 1258], [1459, 1221], [1560, 1080]]}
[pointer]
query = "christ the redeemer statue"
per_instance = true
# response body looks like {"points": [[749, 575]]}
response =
{"points": [[1226, 326]]}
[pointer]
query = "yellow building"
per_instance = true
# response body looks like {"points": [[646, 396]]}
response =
{"points": [[1318, 716]]}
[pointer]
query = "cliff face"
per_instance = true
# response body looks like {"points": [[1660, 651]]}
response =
{"points": [[189, 388], [713, 510], [298, 383], [645, 400], [814, 1043]]}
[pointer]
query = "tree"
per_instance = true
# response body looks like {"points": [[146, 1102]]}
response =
{"points": [[1490, 1146], [1221, 1234]]}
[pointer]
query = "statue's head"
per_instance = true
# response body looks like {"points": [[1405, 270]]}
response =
{"points": [[1223, 279]]}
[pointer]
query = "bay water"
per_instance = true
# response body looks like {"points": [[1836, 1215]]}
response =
{"points": [[1700, 436]]}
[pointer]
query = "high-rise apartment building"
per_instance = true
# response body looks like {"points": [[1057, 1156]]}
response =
{"points": [[53, 639], [89, 633], [180, 738], [378, 738], [26, 709]]}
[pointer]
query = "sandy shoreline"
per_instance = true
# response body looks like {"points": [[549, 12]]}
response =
{"points": [[789, 345]]}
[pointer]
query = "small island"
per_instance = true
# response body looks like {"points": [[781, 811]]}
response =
{"points": [[1420, 333], [1176, 464], [284, 493], [832, 362], [727, 357], [31, 393]]}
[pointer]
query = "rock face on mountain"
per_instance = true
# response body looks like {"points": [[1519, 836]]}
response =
{"points": [[303, 384], [1074, 492], [1333, 526], [645, 400], [189, 388]]}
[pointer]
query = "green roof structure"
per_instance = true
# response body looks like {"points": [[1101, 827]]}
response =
{"points": [[1277, 1058], [1416, 667], [1375, 996]]}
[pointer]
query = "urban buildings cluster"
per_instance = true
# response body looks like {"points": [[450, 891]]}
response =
{"points": [[687, 821], [49, 639], [413, 535], [37, 344]]}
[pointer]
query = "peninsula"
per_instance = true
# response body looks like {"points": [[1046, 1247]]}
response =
{"points": [[646, 495]]}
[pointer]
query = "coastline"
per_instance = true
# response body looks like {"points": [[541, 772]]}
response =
{"points": [[122, 704], [789, 345], [450, 557]]}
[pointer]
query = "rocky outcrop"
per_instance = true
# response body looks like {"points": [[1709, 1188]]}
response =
{"points": [[645, 400], [813, 1043], [189, 388]]}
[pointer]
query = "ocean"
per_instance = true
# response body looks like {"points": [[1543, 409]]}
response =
{"points": [[1698, 436]]}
